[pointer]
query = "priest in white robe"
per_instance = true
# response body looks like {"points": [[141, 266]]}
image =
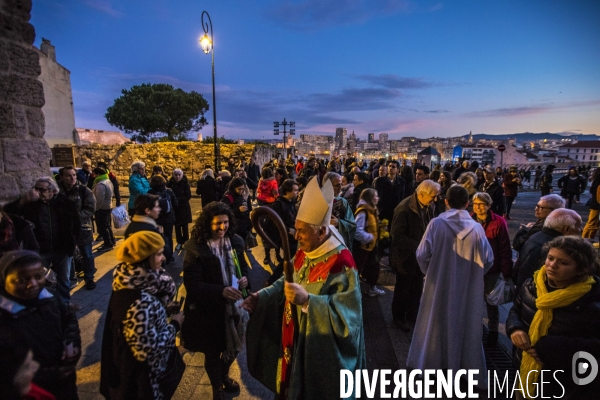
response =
{"points": [[454, 254]]}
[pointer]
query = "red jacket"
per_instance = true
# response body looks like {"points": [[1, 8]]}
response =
{"points": [[496, 231], [266, 190]]}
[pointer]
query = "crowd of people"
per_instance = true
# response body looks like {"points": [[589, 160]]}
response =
{"points": [[443, 229]]}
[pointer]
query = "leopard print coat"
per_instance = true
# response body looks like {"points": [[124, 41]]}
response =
{"points": [[145, 326]]}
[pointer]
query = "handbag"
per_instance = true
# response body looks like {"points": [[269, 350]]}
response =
{"points": [[169, 381], [120, 217], [502, 293], [251, 241]]}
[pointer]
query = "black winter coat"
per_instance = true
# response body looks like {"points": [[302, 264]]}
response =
{"points": [[287, 211], [57, 223], [356, 194], [204, 326], [168, 202], [532, 256], [242, 219], [574, 328], [46, 324], [390, 195], [181, 189], [207, 189], [24, 237], [496, 192], [406, 232]]}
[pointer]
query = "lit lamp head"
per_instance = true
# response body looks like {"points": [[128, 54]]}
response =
{"points": [[205, 43]]}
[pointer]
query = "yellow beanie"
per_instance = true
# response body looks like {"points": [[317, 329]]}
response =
{"points": [[140, 246]]}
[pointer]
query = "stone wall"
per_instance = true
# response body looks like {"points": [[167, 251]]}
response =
{"points": [[24, 154], [191, 157]]}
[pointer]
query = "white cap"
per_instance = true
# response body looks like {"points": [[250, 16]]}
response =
{"points": [[316, 204]]}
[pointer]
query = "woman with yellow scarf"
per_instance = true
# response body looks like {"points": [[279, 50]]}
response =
{"points": [[555, 315]]}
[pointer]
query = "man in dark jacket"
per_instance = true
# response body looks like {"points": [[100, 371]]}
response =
{"points": [[252, 175], [57, 228], [545, 205], [361, 182], [411, 218], [495, 190], [390, 189], [85, 201], [546, 180], [561, 222], [572, 185], [83, 175]]}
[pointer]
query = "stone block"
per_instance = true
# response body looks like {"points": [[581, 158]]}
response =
{"points": [[24, 59], [26, 179], [36, 122], [7, 121], [18, 8], [22, 155], [21, 90], [13, 28], [3, 56], [8, 187], [20, 121]]}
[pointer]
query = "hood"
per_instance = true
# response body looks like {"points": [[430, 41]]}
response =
{"points": [[135, 276], [459, 221]]}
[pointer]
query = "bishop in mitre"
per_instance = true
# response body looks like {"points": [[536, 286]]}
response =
{"points": [[326, 294]]}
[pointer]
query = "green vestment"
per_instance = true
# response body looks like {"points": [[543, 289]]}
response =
{"points": [[330, 333]]}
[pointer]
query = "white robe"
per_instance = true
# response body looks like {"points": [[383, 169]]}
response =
{"points": [[454, 254]]}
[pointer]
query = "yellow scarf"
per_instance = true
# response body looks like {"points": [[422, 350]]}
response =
{"points": [[545, 303]]}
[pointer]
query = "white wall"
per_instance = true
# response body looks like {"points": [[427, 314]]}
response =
{"points": [[58, 109]]}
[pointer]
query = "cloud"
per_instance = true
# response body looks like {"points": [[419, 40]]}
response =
{"points": [[530, 110], [354, 99], [104, 6], [315, 14], [397, 82]]}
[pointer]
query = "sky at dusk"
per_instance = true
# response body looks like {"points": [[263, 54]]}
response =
{"points": [[408, 68]]}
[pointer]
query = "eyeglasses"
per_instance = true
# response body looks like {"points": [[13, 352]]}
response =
{"points": [[537, 206], [41, 190], [479, 204]]}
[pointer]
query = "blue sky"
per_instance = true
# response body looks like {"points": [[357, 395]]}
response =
{"points": [[408, 68]]}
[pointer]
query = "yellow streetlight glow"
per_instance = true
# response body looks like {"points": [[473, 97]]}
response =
{"points": [[205, 43]]}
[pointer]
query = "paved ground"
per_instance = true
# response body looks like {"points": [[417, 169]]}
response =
{"points": [[386, 345]]}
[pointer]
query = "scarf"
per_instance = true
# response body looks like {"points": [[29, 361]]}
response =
{"points": [[100, 178], [236, 318], [545, 303]]}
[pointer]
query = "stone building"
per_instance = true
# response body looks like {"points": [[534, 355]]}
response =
{"points": [[58, 109], [24, 154]]}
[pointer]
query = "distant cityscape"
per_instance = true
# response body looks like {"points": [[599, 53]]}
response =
{"points": [[520, 149]]}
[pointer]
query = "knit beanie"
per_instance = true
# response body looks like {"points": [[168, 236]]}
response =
{"points": [[140, 246], [10, 257]]}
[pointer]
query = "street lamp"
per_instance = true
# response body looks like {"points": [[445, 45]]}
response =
{"points": [[206, 43]]}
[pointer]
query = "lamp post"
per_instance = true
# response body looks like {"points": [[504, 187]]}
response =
{"points": [[285, 123], [207, 46]]}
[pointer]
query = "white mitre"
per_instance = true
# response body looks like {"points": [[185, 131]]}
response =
{"points": [[316, 204]]}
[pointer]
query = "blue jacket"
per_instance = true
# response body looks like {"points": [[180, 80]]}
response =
{"points": [[137, 185]]}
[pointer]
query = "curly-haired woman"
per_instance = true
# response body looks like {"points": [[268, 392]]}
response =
{"points": [[215, 274]]}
